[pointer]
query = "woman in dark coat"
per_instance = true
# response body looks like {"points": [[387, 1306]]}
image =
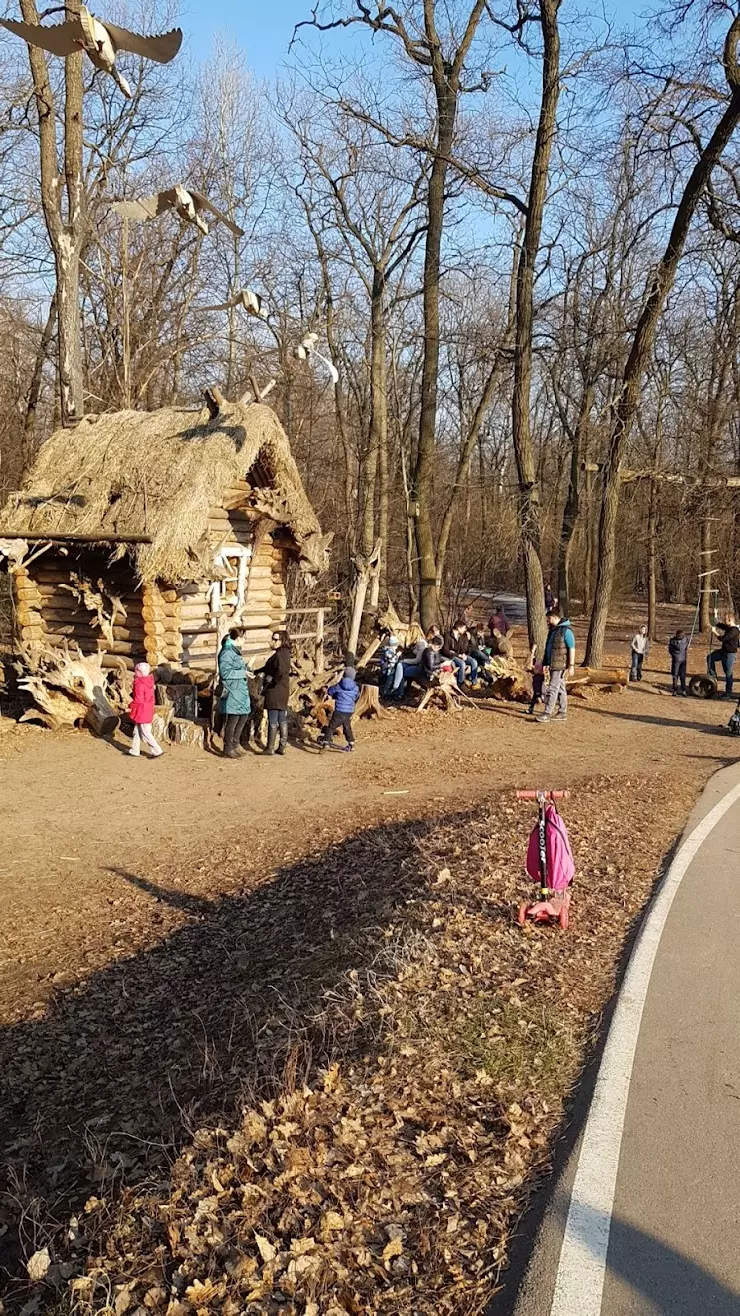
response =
{"points": [[276, 672]]}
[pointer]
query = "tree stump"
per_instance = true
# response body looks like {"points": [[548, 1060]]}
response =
{"points": [[368, 705]]}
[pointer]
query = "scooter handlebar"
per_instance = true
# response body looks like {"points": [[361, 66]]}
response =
{"points": [[549, 795]]}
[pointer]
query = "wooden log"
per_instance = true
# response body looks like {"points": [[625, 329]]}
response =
{"points": [[603, 675], [181, 731], [128, 632], [26, 616], [368, 704], [101, 719], [110, 662]]}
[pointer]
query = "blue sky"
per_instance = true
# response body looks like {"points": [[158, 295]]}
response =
{"points": [[263, 28]]}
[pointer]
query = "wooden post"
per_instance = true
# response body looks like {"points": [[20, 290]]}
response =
{"points": [[319, 656]]}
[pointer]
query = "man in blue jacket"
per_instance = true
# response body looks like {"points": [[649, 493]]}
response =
{"points": [[560, 662], [345, 695]]}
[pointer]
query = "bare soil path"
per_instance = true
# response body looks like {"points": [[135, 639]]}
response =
{"points": [[84, 826]]}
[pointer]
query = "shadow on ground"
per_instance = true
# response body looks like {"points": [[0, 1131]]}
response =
{"points": [[123, 1067]]}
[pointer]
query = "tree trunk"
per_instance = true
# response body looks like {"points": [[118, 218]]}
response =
{"points": [[652, 617], [69, 331], [707, 576], [66, 232], [659, 286], [529, 494], [421, 490], [369, 464], [572, 511], [383, 511], [588, 555], [34, 391]]}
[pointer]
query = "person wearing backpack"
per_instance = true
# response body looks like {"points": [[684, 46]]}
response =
{"points": [[559, 660]]}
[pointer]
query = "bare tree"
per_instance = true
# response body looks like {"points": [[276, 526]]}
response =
{"points": [[658, 288]]}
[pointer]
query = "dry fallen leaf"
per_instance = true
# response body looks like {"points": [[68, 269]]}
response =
{"points": [[38, 1265], [266, 1250]]}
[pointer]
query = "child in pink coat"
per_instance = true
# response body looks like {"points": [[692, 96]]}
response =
{"points": [[141, 711]]}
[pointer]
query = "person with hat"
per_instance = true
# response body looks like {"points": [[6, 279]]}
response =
{"points": [[345, 695]]}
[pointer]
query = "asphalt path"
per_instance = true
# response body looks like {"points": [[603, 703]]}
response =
{"points": [[645, 1219]]}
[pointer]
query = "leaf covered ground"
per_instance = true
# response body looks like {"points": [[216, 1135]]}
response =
{"points": [[347, 1084]]}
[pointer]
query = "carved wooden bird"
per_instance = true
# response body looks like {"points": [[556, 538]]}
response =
{"points": [[101, 41], [306, 349], [183, 200], [252, 302]]}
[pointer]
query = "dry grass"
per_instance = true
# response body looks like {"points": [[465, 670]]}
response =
{"points": [[383, 1096], [159, 474]]}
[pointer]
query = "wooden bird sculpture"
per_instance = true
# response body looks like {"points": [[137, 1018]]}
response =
{"points": [[183, 200], [306, 350], [100, 41], [252, 302]]}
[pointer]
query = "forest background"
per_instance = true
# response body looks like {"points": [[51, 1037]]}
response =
{"points": [[515, 226]]}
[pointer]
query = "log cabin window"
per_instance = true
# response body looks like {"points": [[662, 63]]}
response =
{"points": [[230, 592]]}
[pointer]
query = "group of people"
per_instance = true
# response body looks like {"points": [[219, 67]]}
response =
{"points": [[467, 649], [728, 634], [238, 710], [465, 646]]}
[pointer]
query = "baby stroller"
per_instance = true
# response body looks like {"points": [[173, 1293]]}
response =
{"points": [[549, 862]]}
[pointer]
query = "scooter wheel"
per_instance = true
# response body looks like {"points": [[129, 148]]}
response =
{"points": [[563, 918], [521, 917]]}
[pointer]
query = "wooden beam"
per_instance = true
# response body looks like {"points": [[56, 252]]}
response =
{"points": [[55, 537], [669, 477]]}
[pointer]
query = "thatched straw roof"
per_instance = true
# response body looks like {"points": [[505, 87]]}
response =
{"points": [[159, 474]]}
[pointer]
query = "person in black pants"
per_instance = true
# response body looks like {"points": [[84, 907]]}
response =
{"points": [[729, 637], [345, 695], [276, 672]]}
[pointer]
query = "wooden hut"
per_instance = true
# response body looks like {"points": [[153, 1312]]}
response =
{"points": [[149, 533]]}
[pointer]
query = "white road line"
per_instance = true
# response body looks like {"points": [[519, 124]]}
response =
{"points": [[582, 1267]]}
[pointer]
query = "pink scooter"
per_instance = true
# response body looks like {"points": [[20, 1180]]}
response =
{"points": [[549, 862]]}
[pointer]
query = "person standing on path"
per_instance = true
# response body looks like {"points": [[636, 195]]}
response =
{"points": [[235, 702], [559, 659], [498, 621], [345, 695], [729, 636], [141, 712], [277, 692], [639, 650], [678, 649]]}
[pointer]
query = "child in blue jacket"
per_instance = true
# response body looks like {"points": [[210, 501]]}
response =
{"points": [[345, 695]]}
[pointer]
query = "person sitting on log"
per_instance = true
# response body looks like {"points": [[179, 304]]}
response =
{"points": [[477, 649], [455, 647], [412, 654], [426, 669], [389, 656], [345, 695]]}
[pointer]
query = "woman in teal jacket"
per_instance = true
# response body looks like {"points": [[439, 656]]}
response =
{"points": [[235, 703]]}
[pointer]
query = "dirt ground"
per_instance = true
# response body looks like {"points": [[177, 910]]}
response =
{"points": [[86, 829], [146, 904]]}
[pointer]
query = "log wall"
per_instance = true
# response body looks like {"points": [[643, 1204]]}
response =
{"points": [[48, 613], [265, 596]]}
